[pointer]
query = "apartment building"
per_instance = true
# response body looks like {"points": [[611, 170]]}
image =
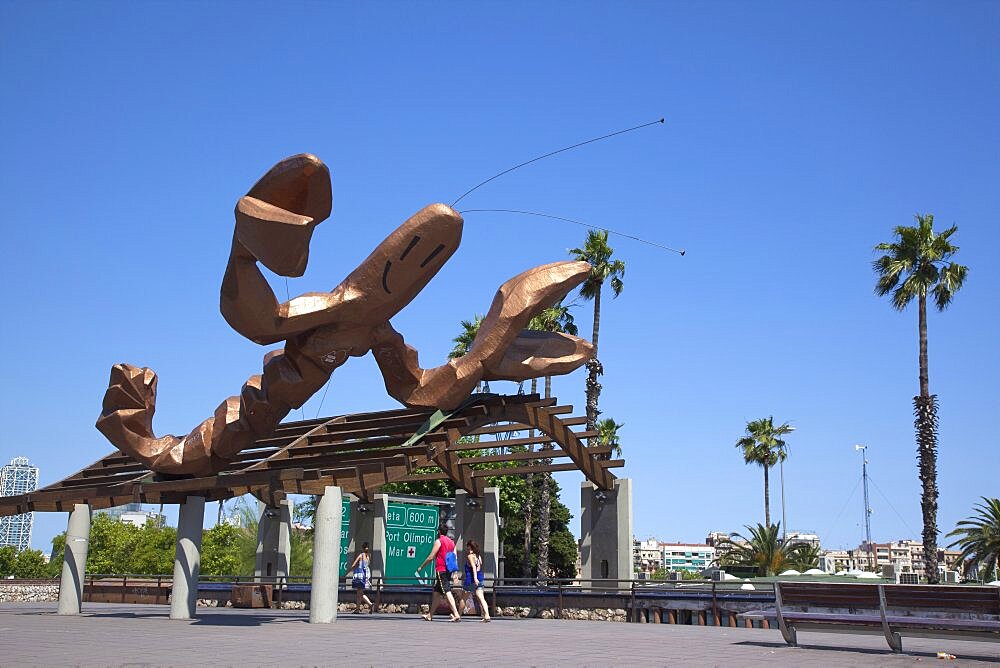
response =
{"points": [[647, 557], [691, 557], [651, 555]]}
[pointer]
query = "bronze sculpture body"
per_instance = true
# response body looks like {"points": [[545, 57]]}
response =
{"points": [[274, 224]]}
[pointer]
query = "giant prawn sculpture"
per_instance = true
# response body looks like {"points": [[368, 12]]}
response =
{"points": [[274, 225]]}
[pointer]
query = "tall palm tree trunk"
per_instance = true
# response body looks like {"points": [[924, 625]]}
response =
{"points": [[926, 422], [594, 369], [545, 501], [767, 500], [529, 510], [924, 382]]}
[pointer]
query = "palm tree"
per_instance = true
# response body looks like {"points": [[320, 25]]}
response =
{"points": [[762, 550], [607, 434], [803, 556], [916, 264], [980, 540], [556, 318], [604, 267], [463, 342], [764, 446]]}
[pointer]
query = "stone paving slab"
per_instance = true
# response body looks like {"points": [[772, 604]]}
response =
{"points": [[143, 635]]}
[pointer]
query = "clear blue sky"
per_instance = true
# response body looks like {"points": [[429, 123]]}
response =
{"points": [[798, 135]]}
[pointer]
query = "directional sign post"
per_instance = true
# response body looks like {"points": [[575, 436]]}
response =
{"points": [[345, 531], [410, 532]]}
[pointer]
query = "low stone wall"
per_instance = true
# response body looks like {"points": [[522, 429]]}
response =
{"points": [[522, 605], [522, 612], [13, 591]]}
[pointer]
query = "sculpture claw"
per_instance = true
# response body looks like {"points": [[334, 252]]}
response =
{"points": [[276, 218], [537, 354]]}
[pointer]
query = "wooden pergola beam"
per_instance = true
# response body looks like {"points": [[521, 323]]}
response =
{"points": [[359, 453], [451, 464], [540, 417]]}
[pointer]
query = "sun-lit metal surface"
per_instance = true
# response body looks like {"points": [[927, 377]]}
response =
{"points": [[274, 225]]}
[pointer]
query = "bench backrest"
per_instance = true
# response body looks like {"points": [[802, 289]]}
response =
{"points": [[979, 600], [829, 595]]}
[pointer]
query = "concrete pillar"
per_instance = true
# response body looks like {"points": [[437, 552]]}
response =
{"points": [[606, 528], [478, 519], [74, 568], [326, 558], [367, 525], [274, 542], [187, 559]]}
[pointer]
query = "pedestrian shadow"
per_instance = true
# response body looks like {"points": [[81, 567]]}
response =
{"points": [[204, 618], [990, 658]]}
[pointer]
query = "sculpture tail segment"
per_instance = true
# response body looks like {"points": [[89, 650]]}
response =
{"points": [[289, 379]]}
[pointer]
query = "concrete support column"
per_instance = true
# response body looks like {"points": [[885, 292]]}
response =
{"points": [[326, 558], [274, 542], [367, 525], [478, 519], [74, 568], [606, 528], [187, 559]]}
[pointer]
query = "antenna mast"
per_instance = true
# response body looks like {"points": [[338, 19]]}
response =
{"points": [[868, 508]]}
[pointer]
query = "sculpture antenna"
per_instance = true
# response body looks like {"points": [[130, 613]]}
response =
{"points": [[551, 153], [576, 222]]}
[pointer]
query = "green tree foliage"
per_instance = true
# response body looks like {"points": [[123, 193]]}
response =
{"points": [[803, 557], [562, 543], [28, 564], [764, 446], [463, 342], [764, 551], [7, 554], [607, 435], [120, 548], [979, 539], [223, 549], [915, 265]]}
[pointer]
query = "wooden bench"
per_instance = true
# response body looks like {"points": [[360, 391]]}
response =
{"points": [[937, 611]]}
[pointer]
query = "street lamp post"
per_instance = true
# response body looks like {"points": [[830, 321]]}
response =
{"points": [[784, 520]]}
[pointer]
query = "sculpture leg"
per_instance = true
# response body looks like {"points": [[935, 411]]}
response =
{"points": [[187, 561], [74, 568], [326, 558]]}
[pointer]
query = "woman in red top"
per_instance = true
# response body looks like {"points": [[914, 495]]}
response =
{"points": [[442, 576]]}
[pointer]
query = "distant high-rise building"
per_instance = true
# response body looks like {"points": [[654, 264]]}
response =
{"points": [[18, 477]]}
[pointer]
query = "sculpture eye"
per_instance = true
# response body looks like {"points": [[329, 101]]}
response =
{"points": [[432, 255], [413, 243], [385, 277]]}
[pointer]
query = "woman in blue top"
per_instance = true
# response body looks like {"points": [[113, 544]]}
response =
{"points": [[474, 576], [361, 579]]}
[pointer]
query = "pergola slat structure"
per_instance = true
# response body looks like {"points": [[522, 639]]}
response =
{"points": [[358, 453]]}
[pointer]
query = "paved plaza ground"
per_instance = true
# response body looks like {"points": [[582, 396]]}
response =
{"points": [[142, 635]]}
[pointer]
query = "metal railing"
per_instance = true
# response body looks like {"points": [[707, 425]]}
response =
{"points": [[562, 590]]}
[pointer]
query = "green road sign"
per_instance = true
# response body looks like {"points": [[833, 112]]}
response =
{"points": [[345, 526], [410, 532]]}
